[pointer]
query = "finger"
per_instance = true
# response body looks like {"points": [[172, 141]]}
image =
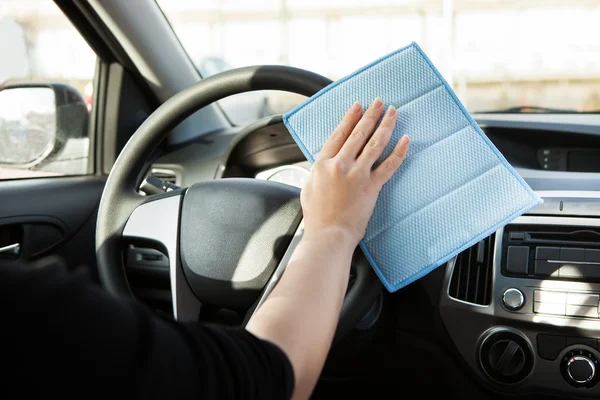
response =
{"points": [[386, 169], [380, 138], [362, 131], [341, 133]]}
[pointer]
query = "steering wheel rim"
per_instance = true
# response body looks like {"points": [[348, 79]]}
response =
{"points": [[120, 198]]}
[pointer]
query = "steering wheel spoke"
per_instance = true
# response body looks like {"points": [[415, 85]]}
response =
{"points": [[157, 221]]}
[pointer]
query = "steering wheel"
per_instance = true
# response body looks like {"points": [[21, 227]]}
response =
{"points": [[228, 241]]}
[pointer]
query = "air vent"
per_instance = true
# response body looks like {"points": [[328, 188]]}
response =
{"points": [[165, 175], [472, 275]]}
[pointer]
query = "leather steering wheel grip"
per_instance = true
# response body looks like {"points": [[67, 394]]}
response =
{"points": [[119, 198]]}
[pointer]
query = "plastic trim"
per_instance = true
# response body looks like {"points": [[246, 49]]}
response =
{"points": [[158, 221]]}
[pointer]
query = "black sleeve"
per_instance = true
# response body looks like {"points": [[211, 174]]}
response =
{"points": [[62, 335]]}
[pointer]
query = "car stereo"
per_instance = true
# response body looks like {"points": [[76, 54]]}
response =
{"points": [[522, 306], [569, 159]]}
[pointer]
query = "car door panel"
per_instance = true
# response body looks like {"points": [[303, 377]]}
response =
{"points": [[49, 216]]}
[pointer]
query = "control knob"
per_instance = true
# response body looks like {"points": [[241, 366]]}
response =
{"points": [[513, 299], [579, 368], [506, 356]]}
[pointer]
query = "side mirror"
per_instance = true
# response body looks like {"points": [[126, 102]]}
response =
{"points": [[37, 119]]}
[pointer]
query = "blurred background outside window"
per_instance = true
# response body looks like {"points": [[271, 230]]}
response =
{"points": [[497, 54]]}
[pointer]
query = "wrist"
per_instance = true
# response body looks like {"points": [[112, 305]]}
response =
{"points": [[338, 237]]}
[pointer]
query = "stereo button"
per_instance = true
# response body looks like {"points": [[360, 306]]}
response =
{"points": [[569, 254], [572, 271], [546, 268], [549, 308], [547, 253], [583, 299], [517, 259], [513, 299], [582, 311], [548, 296], [592, 271], [592, 255]]}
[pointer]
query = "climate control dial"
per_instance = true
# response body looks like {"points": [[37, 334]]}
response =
{"points": [[579, 368]]}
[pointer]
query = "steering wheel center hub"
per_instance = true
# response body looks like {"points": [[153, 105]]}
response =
{"points": [[225, 226]]}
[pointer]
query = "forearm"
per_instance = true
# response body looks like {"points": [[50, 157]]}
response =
{"points": [[301, 313]]}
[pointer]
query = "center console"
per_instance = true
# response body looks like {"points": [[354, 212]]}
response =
{"points": [[522, 306]]}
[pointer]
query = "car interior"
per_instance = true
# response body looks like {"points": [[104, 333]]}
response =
{"points": [[516, 315]]}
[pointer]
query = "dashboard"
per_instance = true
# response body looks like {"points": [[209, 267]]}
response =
{"points": [[538, 327], [522, 307], [527, 298]]}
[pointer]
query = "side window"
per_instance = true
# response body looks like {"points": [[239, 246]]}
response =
{"points": [[46, 76]]}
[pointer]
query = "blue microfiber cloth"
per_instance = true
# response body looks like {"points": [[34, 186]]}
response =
{"points": [[454, 189]]}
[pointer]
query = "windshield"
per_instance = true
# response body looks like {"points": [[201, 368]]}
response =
{"points": [[518, 56]]}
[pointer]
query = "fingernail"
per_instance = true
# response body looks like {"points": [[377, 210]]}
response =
{"points": [[377, 103], [390, 111], [404, 140], [356, 107]]}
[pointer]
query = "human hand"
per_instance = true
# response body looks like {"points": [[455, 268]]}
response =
{"points": [[343, 187]]}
